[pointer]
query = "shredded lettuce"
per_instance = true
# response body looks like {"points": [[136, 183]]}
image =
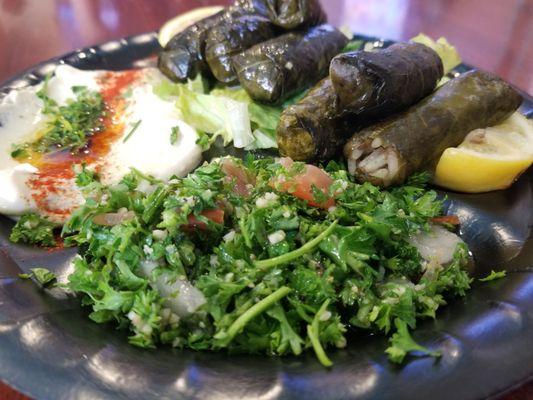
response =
{"points": [[263, 119], [225, 111], [208, 114], [216, 115], [262, 140], [167, 89]]}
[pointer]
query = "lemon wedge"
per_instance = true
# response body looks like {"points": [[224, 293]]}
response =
{"points": [[488, 159], [183, 21]]}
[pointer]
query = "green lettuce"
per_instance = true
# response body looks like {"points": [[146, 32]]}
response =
{"points": [[216, 115], [263, 119], [225, 111]]}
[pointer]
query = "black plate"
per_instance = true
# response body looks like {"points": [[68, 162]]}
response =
{"points": [[49, 349]]}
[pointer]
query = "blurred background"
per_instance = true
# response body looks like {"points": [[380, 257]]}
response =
{"points": [[496, 35]]}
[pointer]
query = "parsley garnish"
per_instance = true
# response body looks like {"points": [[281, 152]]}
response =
{"points": [[69, 126], [204, 140], [493, 276], [174, 134], [85, 177], [352, 45], [41, 275], [401, 343], [319, 196], [133, 129], [33, 229]]}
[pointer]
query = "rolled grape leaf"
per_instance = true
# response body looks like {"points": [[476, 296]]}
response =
{"points": [[287, 14], [387, 152], [273, 70], [363, 86], [231, 37], [183, 56], [300, 132], [377, 83]]}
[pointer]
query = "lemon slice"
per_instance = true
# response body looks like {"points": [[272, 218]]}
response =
{"points": [[183, 21], [488, 159]]}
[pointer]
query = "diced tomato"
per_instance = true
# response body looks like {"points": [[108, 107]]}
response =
{"points": [[239, 176], [446, 219], [215, 215], [301, 185]]}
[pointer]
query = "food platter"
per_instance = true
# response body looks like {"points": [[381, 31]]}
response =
{"points": [[50, 350]]}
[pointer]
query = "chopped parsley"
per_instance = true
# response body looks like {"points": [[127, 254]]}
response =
{"points": [[85, 177], [401, 343], [204, 140], [41, 275], [69, 127], [132, 131], [238, 263], [174, 134], [493, 276], [33, 229], [318, 195], [352, 45]]}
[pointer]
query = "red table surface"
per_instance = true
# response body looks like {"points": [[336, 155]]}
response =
{"points": [[495, 35]]}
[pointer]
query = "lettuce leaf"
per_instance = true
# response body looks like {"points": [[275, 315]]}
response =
{"points": [[263, 119], [216, 115], [167, 89], [225, 111], [262, 140]]}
